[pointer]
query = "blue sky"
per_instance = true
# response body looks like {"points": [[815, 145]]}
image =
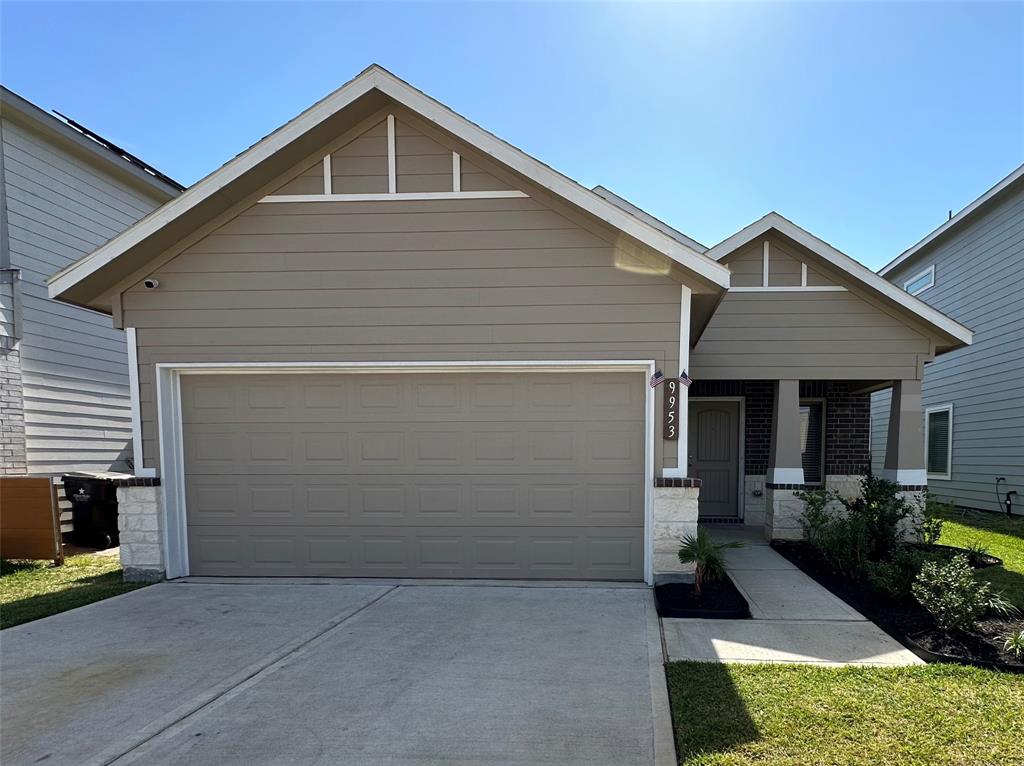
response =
{"points": [[864, 123]]}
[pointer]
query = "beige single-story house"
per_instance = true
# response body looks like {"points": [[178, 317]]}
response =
{"points": [[384, 342]]}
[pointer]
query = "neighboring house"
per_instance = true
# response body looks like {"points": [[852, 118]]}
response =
{"points": [[64, 393], [384, 342], [970, 268]]}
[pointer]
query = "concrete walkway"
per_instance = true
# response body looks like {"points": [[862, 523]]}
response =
{"points": [[795, 619], [327, 672]]}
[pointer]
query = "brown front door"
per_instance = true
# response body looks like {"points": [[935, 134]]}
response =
{"points": [[714, 456]]}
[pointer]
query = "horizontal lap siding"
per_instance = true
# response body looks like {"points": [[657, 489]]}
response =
{"points": [[74, 364], [977, 282], [803, 335], [432, 280]]}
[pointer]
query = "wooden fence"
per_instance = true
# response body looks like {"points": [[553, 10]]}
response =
{"points": [[30, 526]]}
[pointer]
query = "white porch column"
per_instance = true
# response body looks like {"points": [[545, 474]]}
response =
{"points": [[904, 448], [684, 392]]}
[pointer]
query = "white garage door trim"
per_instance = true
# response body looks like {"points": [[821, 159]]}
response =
{"points": [[172, 462]]}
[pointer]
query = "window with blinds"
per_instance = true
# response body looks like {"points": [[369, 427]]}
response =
{"points": [[812, 441], [939, 430]]}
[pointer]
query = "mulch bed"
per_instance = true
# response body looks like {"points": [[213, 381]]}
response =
{"points": [[718, 600], [906, 620]]}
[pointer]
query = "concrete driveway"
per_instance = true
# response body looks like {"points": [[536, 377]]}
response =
{"points": [[340, 673]]}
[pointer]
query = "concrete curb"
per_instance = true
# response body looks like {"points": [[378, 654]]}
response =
{"points": [[661, 711]]}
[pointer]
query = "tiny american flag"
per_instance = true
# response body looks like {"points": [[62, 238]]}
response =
{"points": [[657, 378], [685, 379]]}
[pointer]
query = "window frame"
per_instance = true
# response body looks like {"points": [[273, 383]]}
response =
{"points": [[947, 408], [824, 434], [928, 272]]}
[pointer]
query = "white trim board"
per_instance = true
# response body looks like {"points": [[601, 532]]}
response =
{"points": [[947, 475], [683, 440], [790, 289], [136, 406], [378, 78], [844, 263], [928, 272], [171, 443], [392, 160], [396, 197]]}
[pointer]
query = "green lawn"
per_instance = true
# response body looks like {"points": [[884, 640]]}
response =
{"points": [[33, 589], [1003, 537], [937, 715]]}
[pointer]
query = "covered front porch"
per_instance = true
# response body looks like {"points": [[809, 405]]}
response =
{"points": [[753, 444]]}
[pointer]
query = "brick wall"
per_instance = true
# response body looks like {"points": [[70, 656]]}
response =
{"points": [[847, 426], [12, 412], [847, 422]]}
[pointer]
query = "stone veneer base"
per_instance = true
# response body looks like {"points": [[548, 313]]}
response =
{"points": [[674, 511], [140, 523]]}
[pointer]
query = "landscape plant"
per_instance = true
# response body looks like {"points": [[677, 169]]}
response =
{"points": [[1015, 644], [850, 533], [929, 521], [954, 597], [707, 556]]}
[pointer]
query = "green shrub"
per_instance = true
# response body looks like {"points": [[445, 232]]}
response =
{"points": [[929, 524], [954, 598], [707, 555], [856, 530], [895, 578]]}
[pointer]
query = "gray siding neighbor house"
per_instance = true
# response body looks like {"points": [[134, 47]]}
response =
{"points": [[970, 269], [384, 342], [65, 401]]}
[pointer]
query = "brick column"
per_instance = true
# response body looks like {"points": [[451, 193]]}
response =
{"points": [[13, 457]]}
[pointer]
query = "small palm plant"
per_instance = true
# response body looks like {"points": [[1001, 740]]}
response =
{"points": [[706, 555]]}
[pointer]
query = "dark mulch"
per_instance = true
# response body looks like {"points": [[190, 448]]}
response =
{"points": [[905, 619], [718, 600]]}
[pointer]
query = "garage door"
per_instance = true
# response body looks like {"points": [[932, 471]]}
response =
{"points": [[497, 475]]}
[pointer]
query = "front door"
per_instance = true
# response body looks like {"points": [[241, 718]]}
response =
{"points": [[714, 456]]}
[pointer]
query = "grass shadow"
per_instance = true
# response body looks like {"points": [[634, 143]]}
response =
{"points": [[708, 714], [30, 590], [987, 521]]}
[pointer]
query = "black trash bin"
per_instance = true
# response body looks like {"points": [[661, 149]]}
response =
{"points": [[93, 511]]}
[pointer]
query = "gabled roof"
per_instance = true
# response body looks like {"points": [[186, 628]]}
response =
{"points": [[956, 221], [301, 131], [646, 217], [89, 141], [863, 275]]}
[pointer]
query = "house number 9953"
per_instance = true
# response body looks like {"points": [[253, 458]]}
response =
{"points": [[670, 409]]}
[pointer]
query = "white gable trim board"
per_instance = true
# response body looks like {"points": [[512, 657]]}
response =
{"points": [[845, 264], [171, 440], [376, 78]]}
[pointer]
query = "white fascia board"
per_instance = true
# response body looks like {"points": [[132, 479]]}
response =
{"points": [[378, 78], [207, 187], [953, 222], [846, 264]]}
